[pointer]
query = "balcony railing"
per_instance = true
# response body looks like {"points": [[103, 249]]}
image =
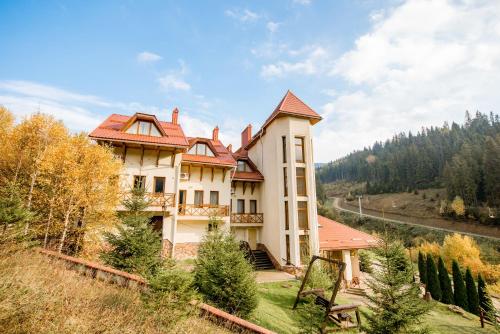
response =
{"points": [[247, 218], [164, 200], [203, 210]]}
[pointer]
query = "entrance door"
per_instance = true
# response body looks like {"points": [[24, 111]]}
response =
{"points": [[252, 238], [182, 200]]}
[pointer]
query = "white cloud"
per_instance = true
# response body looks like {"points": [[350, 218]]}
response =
{"points": [[272, 26], [148, 57], [171, 82], [422, 63], [244, 15], [315, 60]]}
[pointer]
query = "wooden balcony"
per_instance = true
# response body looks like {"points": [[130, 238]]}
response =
{"points": [[204, 210], [247, 218], [164, 200]]}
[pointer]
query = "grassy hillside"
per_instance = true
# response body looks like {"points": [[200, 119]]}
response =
{"points": [[41, 296]]}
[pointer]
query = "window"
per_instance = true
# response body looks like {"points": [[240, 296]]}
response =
{"points": [[304, 248], [285, 182], [182, 197], [299, 149], [283, 141], [302, 213], [198, 197], [140, 182], [159, 186], [253, 206], [287, 238], [242, 166], [241, 206], [301, 181], [144, 128], [201, 149], [287, 220], [214, 198]]}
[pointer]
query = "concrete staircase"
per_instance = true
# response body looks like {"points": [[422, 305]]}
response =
{"points": [[262, 260]]}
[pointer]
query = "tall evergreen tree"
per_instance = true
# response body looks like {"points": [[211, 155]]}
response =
{"points": [[432, 279], [136, 247], [445, 283], [459, 291], [472, 297], [395, 304], [485, 302], [422, 268]]}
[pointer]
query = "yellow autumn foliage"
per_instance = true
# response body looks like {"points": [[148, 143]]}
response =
{"points": [[426, 248]]}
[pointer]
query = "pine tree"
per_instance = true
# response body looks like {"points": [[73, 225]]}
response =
{"points": [[395, 304], [445, 283], [472, 297], [422, 268], [223, 275], [485, 302], [432, 279], [459, 291], [136, 247]]}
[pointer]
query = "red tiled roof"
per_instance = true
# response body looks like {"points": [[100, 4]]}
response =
{"points": [[111, 129], [254, 175], [290, 105], [337, 236], [222, 155]]}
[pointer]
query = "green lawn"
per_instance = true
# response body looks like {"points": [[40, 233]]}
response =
{"points": [[275, 313]]}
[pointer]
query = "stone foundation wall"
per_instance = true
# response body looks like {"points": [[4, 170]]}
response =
{"points": [[186, 250]]}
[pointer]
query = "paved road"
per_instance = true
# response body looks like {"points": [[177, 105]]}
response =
{"points": [[336, 205]]}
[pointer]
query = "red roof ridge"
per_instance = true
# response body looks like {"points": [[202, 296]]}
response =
{"points": [[289, 105]]}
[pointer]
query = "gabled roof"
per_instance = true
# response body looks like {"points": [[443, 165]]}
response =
{"points": [[337, 236], [114, 127], [223, 156], [254, 175], [290, 105]]}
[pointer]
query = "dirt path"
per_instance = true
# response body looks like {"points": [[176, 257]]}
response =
{"points": [[475, 230]]}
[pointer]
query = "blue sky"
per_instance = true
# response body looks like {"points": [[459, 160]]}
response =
{"points": [[371, 68]]}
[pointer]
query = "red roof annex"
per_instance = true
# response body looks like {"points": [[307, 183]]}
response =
{"points": [[112, 129], [337, 236], [223, 156]]}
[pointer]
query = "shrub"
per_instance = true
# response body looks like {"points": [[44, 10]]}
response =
{"points": [[422, 268], [458, 206], [432, 279], [136, 247], [394, 300], [459, 291], [310, 317], [223, 275], [472, 297], [170, 291], [485, 302], [365, 262], [445, 283], [319, 277]]}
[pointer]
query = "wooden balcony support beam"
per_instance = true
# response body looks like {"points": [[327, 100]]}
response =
{"points": [[157, 156], [224, 171], [201, 173], [252, 187], [124, 153], [212, 180], [172, 158], [244, 187]]}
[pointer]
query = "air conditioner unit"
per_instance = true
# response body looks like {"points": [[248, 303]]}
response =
{"points": [[184, 176]]}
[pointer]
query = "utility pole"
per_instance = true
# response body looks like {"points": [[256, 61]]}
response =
{"points": [[360, 209]]}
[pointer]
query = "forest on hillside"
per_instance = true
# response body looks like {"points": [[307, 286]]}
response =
{"points": [[465, 159]]}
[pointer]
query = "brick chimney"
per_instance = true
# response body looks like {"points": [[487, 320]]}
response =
{"points": [[230, 148], [215, 134], [246, 135], [175, 115]]}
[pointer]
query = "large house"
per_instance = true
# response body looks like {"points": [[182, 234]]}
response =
{"points": [[264, 192]]}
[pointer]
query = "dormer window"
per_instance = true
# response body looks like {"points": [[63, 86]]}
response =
{"points": [[201, 149], [144, 128], [243, 166]]}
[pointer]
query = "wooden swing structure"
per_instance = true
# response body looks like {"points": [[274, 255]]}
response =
{"points": [[338, 314]]}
